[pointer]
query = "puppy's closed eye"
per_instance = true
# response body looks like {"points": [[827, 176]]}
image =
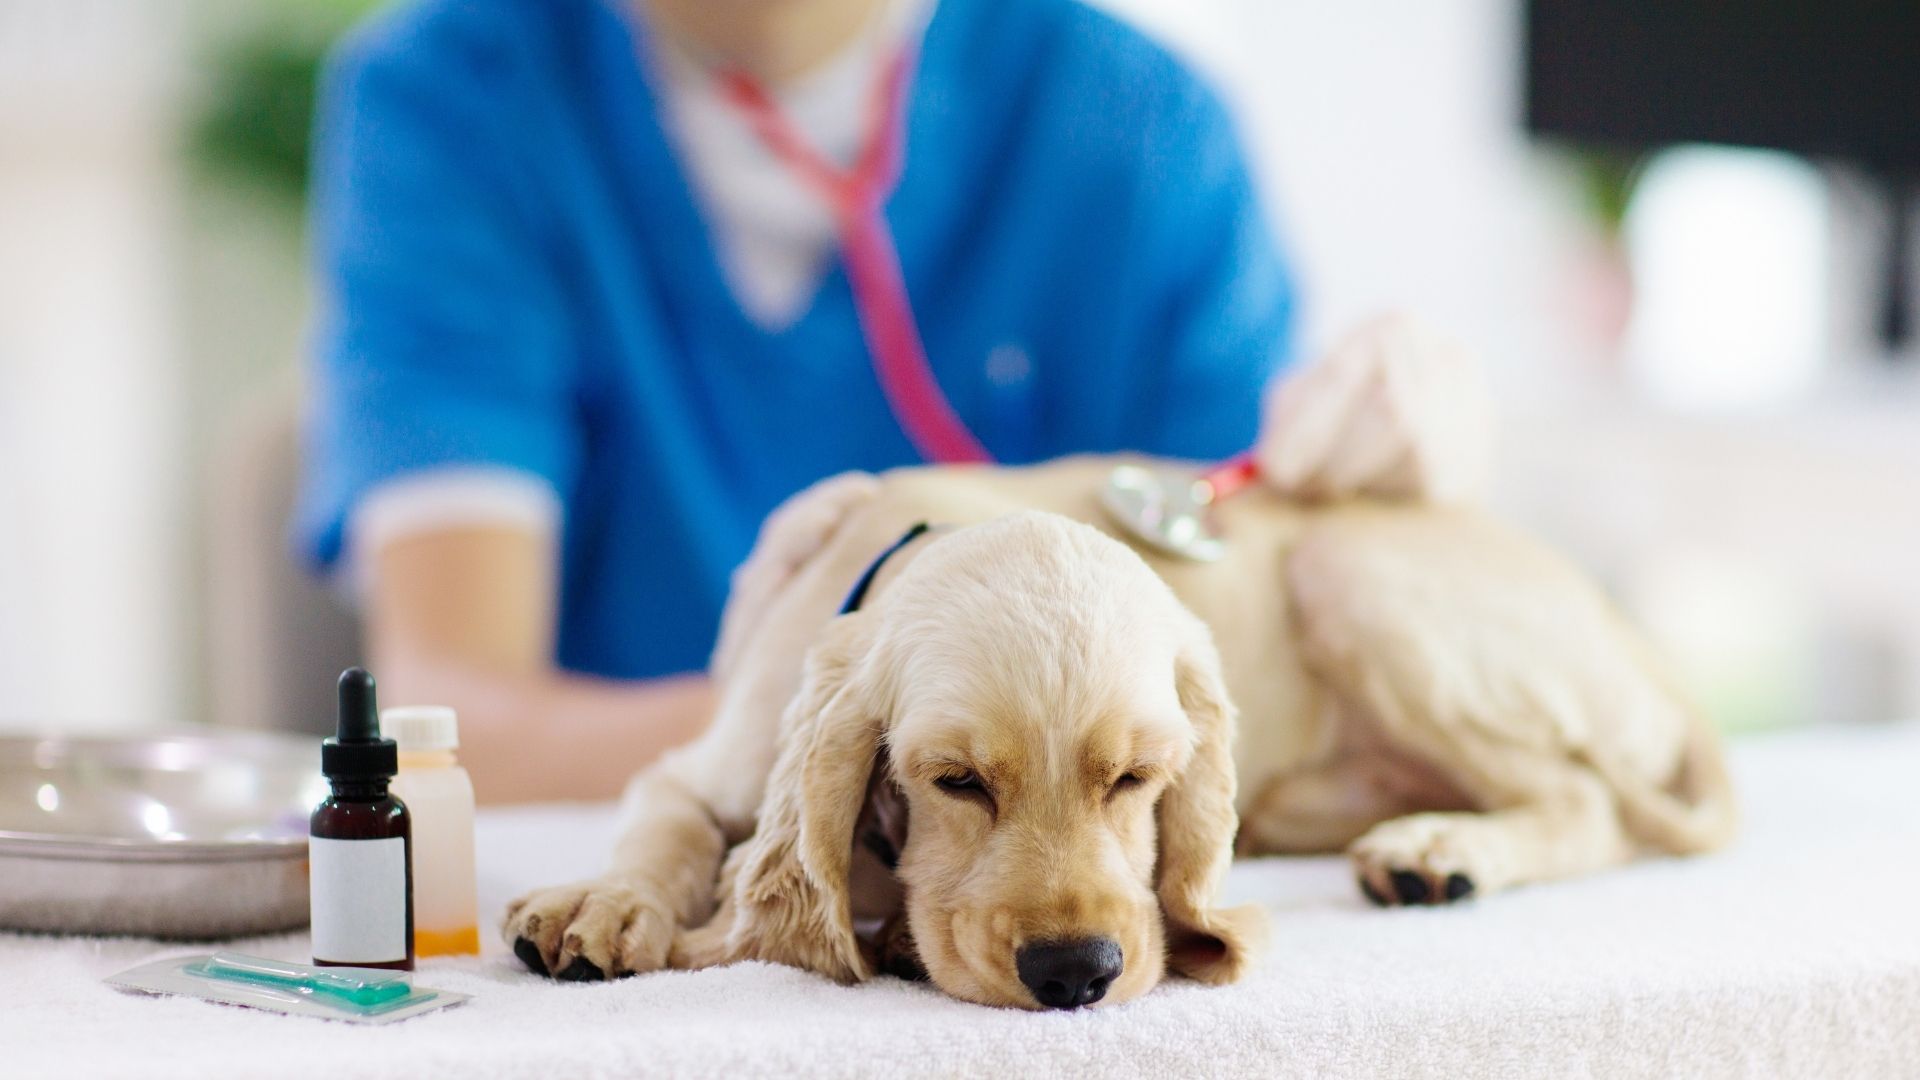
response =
{"points": [[1131, 780], [965, 784]]}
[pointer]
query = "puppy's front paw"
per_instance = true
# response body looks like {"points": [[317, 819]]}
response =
{"points": [[894, 952], [589, 931], [1422, 859]]}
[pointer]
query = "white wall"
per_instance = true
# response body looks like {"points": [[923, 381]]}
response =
{"points": [[1385, 133], [91, 468]]}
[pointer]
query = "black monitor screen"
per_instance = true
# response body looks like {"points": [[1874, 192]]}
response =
{"points": [[1832, 78]]}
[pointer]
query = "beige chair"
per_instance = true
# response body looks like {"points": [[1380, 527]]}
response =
{"points": [[277, 637]]}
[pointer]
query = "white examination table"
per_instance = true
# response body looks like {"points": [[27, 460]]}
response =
{"points": [[1795, 953]]}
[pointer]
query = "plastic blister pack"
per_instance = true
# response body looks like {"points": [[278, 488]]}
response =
{"points": [[357, 995]]}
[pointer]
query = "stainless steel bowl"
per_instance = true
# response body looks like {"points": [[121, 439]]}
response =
{"points": [[192, 835]]}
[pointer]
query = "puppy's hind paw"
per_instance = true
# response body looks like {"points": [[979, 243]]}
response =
{"points": [[1415, 860], [589, 931]]}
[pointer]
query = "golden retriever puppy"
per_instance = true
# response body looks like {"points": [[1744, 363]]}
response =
{"points": [[1014, 768]]}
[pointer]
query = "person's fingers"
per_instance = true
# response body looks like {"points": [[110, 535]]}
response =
{"points": [[1375, 444], [1306, 416], [1447, 415], [1395, 411]]}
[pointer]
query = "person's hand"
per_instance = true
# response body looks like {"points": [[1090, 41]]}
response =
{"points": [[1394, 411]]}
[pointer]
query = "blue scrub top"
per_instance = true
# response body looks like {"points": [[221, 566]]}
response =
{"points": [[515, 275]]}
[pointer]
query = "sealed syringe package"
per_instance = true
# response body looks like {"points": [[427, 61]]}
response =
{"points": [[356, 995]]}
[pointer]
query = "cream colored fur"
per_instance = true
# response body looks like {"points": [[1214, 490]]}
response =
{"points": [[1455, 706]]}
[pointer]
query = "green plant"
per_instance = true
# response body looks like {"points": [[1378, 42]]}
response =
{"points": [[256, 121], [1607, 179]]}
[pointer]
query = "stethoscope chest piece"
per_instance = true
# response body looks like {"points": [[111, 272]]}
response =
{"points": [[1166, 508]]}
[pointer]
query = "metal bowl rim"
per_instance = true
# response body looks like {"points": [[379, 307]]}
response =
{"points": [[120, 850], [198, 738], [112, 849]]}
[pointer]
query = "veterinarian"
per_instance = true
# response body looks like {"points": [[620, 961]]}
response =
{"points": [[605, 280]]}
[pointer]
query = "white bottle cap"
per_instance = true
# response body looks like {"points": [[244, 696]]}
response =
{"points": [[421, 727]]}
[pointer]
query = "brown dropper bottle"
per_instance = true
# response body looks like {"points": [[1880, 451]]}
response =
{"points": [[360, 847]]}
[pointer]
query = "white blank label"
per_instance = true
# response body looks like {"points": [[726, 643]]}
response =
{"points": [[358, 892]]}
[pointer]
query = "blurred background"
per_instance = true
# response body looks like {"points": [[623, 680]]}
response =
{"points": [[1709, 392]]}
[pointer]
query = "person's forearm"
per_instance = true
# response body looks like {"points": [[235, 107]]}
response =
{"points": [[464, 616], [554, 736]]}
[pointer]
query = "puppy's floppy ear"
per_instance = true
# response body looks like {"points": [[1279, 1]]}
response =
{"points": [[785, 889], [1197, 824]]}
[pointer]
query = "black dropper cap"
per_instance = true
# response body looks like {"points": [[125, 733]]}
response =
{"points": [[357, 752]]}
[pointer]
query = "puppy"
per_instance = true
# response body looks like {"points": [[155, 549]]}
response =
{"points": [[1013, 766]]}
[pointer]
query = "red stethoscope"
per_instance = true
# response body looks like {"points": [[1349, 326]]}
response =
{"points": [[1166, 507]]}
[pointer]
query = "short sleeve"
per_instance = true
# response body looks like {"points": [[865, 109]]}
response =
{"points": [[1223, 298], [440, 343]]}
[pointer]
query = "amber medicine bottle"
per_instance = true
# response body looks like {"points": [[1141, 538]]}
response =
{"points": [[360, 848], [439, 796]]}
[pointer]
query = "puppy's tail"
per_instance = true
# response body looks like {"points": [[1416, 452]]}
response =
{"points": [[1696, 813], [792, 535]]}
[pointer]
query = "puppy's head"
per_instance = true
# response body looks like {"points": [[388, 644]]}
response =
{"points": [[1055, 724]]}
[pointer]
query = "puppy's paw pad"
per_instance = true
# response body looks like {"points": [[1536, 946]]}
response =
{"points": [[529, 954], [1410, 887], [1458, 887], [588, 932], [1424, 859], [1367, 889], [581, 970]]}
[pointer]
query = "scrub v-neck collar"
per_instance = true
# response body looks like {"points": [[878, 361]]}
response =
{"points": [[680, 240]]}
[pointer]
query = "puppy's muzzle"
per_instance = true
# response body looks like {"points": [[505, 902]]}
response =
{"points": [[1069, 974]]}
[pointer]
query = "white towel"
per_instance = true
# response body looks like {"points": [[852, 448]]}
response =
{"points": [[1795, 953]]}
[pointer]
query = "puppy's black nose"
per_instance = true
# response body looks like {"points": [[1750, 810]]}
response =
{"points": [[1069, 974]]}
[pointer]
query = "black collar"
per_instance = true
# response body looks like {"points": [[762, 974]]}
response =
{"points": [[859, 594]]}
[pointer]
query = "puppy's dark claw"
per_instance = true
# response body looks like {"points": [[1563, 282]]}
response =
{"points": [[1372, 893], [1411, 887], [904, 965], [1459, 887], [582, 970], [529, 954]]}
